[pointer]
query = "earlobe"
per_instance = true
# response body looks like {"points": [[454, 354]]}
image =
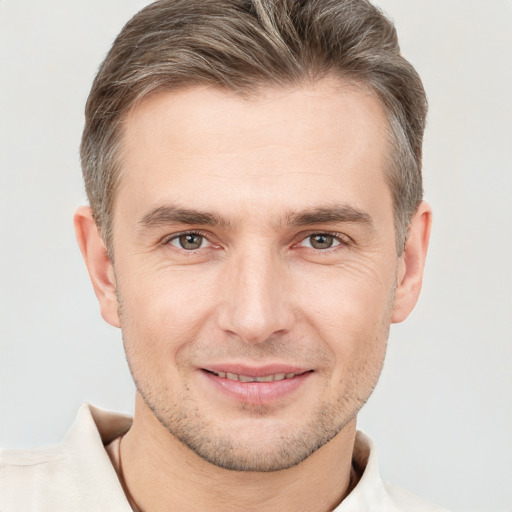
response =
{"points": [[412, 263], [98, 264]]}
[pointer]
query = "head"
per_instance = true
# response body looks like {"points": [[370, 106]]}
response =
{"points": [[254, 176]]}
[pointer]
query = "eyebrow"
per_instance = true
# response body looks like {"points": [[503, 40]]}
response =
{"points": [[327, 215], [170, 214]]}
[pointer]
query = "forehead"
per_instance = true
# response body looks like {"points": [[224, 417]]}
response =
{"points": [[280, 148]]}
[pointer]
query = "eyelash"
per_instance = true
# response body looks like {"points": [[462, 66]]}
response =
{"points": [[166, 240], [342, 239]]}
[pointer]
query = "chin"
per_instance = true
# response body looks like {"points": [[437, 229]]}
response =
{"points": [[263, 445]]}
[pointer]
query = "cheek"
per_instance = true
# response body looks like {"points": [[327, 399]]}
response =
{"points": [[162, 312], [354, 290], [350, 307]]}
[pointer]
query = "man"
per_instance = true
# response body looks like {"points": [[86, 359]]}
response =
{"points": [[256, 224]]}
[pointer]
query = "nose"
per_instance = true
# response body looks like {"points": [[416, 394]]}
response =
{"points": [[256, 301]]}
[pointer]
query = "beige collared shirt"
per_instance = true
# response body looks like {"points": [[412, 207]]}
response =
{"points": [[78, 476]]}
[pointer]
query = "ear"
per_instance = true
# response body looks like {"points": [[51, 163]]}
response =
{"points": [[412, 263], [98, 264]]}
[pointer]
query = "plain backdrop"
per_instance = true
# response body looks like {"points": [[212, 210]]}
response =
{"points": [[442, 413]]}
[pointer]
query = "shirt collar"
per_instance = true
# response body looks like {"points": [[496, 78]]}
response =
{"points": [[93, 474], [94, 428]]}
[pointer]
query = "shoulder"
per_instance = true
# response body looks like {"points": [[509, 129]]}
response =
{"points": [[27, 474], [74, 476], [404, 500]]}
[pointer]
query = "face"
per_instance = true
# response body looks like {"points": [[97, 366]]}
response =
{"points": [[255, 266]]}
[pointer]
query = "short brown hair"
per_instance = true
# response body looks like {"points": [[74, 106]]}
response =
{"points": [[240, 45]]}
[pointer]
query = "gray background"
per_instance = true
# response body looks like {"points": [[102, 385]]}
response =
{"points": [[442, 413]]}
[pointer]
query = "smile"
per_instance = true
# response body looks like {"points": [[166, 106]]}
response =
{"points": [[258, 386], [247, 378]]}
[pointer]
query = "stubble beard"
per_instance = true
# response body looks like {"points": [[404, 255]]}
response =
{"points": [[231, 450], [218, 445]]}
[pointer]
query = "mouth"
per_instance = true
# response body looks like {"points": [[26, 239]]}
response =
{"points": [[263, 378], [265, 385]]}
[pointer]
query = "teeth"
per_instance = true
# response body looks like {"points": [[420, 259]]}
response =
{"points": [[246, 378], [268, 378]]}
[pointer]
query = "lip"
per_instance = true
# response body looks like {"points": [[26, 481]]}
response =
{"points": [[255, 393], [255, 371]]}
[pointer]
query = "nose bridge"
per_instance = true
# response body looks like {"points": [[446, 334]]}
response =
{"points": [[256, 305]]}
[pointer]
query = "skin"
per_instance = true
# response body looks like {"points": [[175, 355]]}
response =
{"points": [[273, 171]]}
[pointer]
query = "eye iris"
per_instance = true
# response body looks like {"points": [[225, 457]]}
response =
{"points": [[190, 241], [321, 241]]}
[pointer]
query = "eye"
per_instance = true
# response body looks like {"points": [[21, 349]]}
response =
{"points": [[321, 241], [188, 241]]}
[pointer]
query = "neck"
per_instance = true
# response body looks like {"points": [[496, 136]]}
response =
{"points": [[160, 472]]}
